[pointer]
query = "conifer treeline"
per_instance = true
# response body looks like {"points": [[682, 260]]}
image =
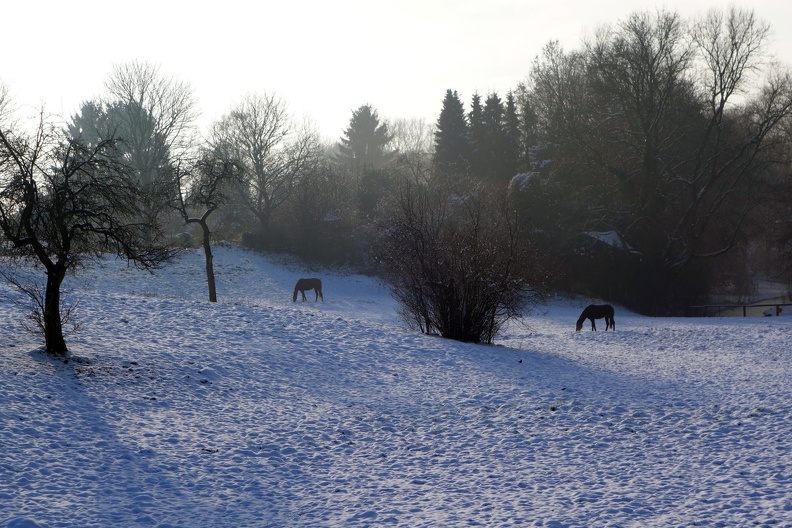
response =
{"points": [[487, 144]]}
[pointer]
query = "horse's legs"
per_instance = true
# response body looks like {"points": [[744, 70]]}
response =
{"points": [[593, 325], [303, 294]]}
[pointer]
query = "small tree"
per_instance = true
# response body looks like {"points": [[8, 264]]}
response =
{"points": [[456, 264], [62, 202], [207, 185]]}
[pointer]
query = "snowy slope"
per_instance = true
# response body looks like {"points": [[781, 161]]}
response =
{"points": [[257, 411]]}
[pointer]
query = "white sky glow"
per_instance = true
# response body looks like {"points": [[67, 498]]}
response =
{"points": [[324, 58]]}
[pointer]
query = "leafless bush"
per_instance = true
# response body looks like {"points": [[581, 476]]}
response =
{"points": [[455, 263]]}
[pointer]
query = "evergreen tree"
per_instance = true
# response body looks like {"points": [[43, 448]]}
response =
{"points": [[365, 141], [144, 144], [452, 143], [511, 128], [493, 151], [478, 141], [139, 141]]}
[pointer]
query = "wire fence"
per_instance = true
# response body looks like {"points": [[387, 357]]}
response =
{"points": [[746, 310]]}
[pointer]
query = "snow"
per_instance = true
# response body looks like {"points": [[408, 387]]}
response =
{"points": [[610, 238], [523, 180], [257, 411]]}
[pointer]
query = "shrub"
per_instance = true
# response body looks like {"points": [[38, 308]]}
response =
{"points": [[455, 263]]}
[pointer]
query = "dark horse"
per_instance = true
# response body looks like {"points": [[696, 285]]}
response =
{"points": [[597, 311], [308, 284]]}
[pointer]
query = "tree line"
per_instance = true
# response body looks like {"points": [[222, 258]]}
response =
{"points": [[650, 168]]}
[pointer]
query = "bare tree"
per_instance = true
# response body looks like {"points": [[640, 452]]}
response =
{"points": [[730, 153], [260, 138], [203, 188], [161, 114], [62, 202], [413, 141], [6, 105], [639, 69], [153, 117], [411, 136]]}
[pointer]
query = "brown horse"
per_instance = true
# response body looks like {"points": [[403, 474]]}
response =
{"points": [[308, 284], [597, 311]]}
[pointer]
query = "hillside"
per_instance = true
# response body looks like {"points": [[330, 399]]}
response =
{"points": [[257, 411]]}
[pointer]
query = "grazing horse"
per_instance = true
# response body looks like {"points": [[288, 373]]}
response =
{"points": [[308, 284], [597, 311]]}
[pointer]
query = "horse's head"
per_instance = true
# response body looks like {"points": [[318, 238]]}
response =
{"points": [[294, 298], [579, 325]]}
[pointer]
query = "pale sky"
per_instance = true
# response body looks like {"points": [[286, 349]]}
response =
{"points": [[324, 58]]}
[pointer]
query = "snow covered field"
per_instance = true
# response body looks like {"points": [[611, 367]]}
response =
{"points": [[260, 412]]}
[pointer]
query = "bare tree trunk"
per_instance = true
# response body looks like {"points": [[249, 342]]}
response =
{"points": [[53, 327], [210, 278]]}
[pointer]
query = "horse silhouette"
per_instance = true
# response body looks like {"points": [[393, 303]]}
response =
{"points": [[597, 311], [308, 284]]}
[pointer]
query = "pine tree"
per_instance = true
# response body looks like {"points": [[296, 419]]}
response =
{"points": [[478, 139], [511, 129], [452, 143], [365, 141], [494, 142]]}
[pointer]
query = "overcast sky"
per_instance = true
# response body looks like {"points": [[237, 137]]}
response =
{"points": [[325, 58]]}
